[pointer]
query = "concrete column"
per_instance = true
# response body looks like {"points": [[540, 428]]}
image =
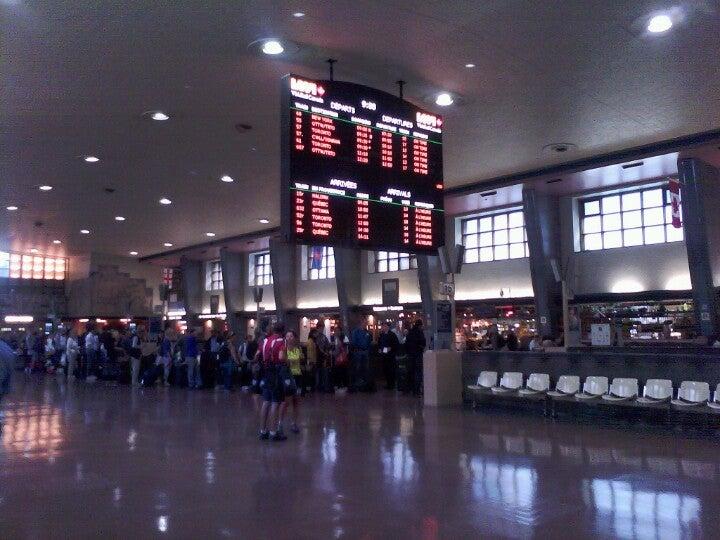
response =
{"points": [[234, 274], [348, 281], [700, 195], [193, 282], [429, 277], [283, 261], [542, 223]]}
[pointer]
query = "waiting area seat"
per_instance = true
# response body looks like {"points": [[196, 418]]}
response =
{"points": [[622, 389], [656, 391], [692, 393], [593, 388], [537, 383], [715, 403], [485, 381], [509, 382], [567, 385]]}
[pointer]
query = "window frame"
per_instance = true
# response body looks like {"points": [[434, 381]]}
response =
{"points": [[468, 257], [262, 269], [328, 264], [404, 261], [214, 276], [621, 213], [32, 267]]}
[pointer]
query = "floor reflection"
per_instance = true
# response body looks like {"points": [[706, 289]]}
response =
{"points": [[34, 432]]}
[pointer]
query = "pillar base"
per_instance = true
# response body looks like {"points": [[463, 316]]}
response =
{"points": [[442, 378]]}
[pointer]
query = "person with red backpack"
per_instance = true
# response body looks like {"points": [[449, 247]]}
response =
{"points": [[275, 372]]}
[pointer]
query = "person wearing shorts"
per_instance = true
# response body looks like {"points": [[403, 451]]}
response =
{"points": [[273, 385]]}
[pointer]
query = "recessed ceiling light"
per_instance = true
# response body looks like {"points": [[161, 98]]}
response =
{"points": [[33, 250], [298, 14], [57, 242], [444, 99], [167, 244], [272, 47], [226, 178], [45, 188], [11, 208], [470, 65], [133, 253], [159, 116], [119, 218], [264, 220], [210, 234], [659, 24], [165, 200], [84, 231], [91, 159]]}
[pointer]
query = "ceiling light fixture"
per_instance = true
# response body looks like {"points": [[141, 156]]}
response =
{"points": [[227, 179], [469, 65], [11, 208], [91, 159], [298, 14], [133, 253], [272, 47], [159, 116], [444, 99], [210, 234], [659, 24], [45, 188], [57, 242], [167, 244], [165, 200], [119, 218], [264, 221], [84, 231]]}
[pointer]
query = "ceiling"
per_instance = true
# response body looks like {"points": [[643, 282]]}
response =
{"points": [[77, 75]]}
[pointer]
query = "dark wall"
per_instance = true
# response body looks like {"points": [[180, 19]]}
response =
{"points": [[676, 366]]}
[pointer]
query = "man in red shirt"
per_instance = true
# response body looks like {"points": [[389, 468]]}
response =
{"points": [[273, 384]]}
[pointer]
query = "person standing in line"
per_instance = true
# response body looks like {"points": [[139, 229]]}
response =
{"points": [[415, 347], [92, 348], [166, 353], [192, 360], [341, 360], [273, 407], [311, 362], [229, 359], [72, 352], [360, 342], [30, 350], [294, 358], [324, 359], [148, 353], [388, 346]]}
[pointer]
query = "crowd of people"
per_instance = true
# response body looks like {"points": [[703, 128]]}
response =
{"points": [[276, 367]]}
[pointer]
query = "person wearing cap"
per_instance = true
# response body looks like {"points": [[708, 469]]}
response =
{"points": [[273, 407]]}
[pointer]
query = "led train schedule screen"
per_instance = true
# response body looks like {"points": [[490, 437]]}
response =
{"points": [[361, 168]]}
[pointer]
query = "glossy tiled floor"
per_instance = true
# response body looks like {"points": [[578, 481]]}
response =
{"points": [[83, 461]]}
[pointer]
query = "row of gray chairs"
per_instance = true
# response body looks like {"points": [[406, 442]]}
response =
{"points": [[689, 394]]}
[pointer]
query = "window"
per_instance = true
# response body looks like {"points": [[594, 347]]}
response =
{"points": [[391, 261], [262, 272], [214, 281], [17, 266], [628, 219], [495, 237], [321, 262]]}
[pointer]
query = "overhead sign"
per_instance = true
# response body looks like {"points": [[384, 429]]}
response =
{"points": [[360, 168]]}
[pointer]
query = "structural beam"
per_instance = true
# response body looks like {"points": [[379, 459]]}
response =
{"points": [[283, 261], [700, 196], [348, 280], [192, 285], [542, 223], [234, 275]]}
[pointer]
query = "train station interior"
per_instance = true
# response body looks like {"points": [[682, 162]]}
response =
{"points": [[359, 269]]}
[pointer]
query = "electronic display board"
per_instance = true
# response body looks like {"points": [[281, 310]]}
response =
{"points": [[360, 168]]}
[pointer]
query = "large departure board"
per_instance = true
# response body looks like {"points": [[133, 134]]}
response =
{"points": [[360, 167]]}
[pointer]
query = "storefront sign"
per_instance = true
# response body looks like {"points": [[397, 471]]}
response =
{"points": [[600, 335]]}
